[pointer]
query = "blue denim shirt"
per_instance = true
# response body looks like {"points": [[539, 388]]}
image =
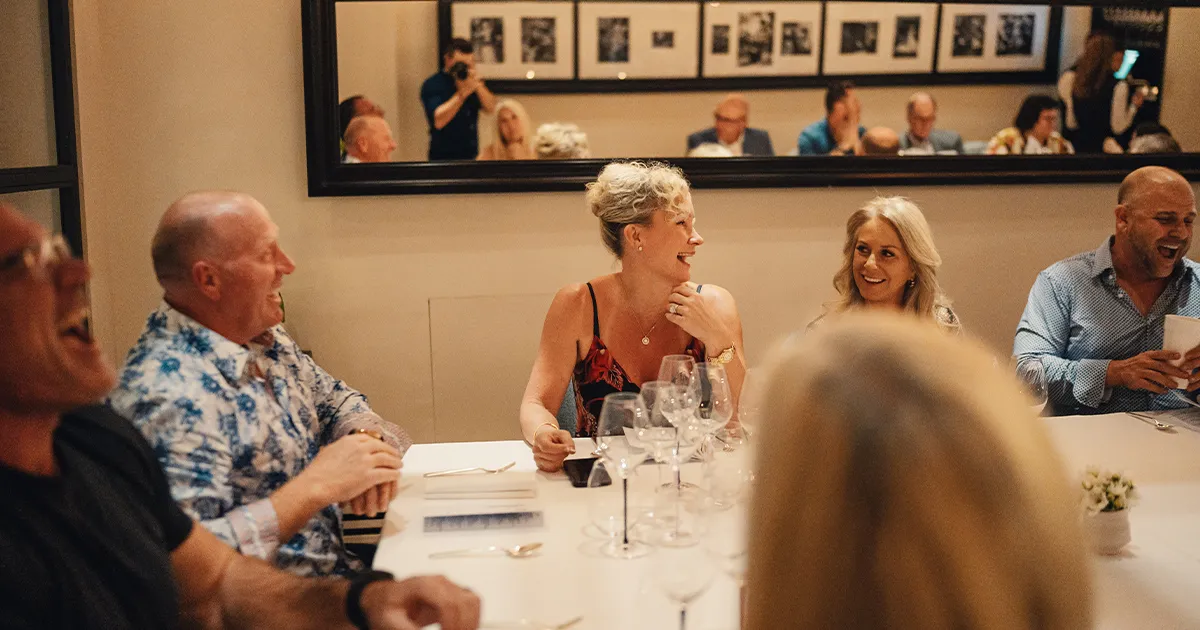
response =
{"points": [[231, 424], [1078, 319]]}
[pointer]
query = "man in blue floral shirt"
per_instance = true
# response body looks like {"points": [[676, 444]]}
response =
{"points": [[259, 444]]}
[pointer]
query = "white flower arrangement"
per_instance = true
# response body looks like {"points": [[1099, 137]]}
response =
{"points": [[1105, 491]]}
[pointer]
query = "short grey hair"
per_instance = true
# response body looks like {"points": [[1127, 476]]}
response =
{"points": [[561, 141], [1154, 143], [629, 193]]}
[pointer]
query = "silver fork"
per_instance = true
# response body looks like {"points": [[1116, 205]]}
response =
{"points": [[1155, 422], [463, 471]]}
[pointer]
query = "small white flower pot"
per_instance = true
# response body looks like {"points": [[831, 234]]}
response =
{"points": [[1109, 531]]}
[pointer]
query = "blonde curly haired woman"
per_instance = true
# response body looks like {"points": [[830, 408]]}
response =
{"points": [[890, 262], [907, 484]]}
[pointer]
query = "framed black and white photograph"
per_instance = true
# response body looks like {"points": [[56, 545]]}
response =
{"points": [[720, 39], [487, 36], [879, 37], [994, 38], [860, 38], [795, 38], [1015, 34], [908, 37], [968, 35], [639, 40], [756, 38], [762, 38], [612, 37], [524, 40]]}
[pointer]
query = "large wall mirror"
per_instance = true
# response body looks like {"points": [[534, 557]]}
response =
{"points": [[423, 96]]}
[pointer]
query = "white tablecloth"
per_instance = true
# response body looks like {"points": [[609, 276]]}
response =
{"points": [[1155, 584]]}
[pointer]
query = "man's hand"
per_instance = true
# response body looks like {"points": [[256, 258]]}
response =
{"points": [[1191, 365], [349, 467], [467, 86], [550, 448], [1150, 371], [374, 501], [418, 602]]}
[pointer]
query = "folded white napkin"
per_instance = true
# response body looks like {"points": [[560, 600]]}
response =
{"points": [[505, 485], [1181, 334]]}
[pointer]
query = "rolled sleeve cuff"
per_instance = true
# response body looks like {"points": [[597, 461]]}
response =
{"points": [[1089, 386], [392, 434], [256, 527]]}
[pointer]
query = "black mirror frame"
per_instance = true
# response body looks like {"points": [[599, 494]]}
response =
{"points": [[328, 177]]}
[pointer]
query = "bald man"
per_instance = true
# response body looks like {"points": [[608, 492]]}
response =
{"points": [[731, 130], [921, 138], [878, 141], [1095, 320], [368, 139], [259, 443]]}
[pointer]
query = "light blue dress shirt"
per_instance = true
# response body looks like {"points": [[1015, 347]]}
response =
{"points": [[231, 424], [1078, 319]]}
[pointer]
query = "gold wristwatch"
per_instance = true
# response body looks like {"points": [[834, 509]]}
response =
{"points": [[724, 357]]}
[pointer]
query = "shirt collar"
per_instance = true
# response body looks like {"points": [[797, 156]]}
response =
{"points": [[228, 357], [1102, 262]]}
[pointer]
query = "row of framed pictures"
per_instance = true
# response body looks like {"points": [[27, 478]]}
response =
{"points": [[555, 40]]}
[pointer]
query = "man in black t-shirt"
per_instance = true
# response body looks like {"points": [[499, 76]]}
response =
{"points": [[452, 99], [90, 536]]}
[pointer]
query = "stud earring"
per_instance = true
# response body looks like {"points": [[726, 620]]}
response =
{"points": [[639, 248], [912, 282]]}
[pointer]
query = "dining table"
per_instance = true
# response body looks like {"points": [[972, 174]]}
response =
{"points": [[1153, 583]]}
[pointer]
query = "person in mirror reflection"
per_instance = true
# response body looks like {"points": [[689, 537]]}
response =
{"points": [[907, 484], [452, 99], [611, 334], [890, 263], [355, 106], [92, 538], [1098, 105], [1096, 319], [709, 150], [368, 139], [839, 131], [1034, 131], [259, 443], [512, 134], [1152, 137], [731, 130], [878, 141], [561, 141], [922, 138]]}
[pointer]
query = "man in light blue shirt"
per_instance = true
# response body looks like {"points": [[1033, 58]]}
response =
{"points": [[1095, 320], [838, 132]]}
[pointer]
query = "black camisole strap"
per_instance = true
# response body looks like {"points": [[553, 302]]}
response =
{"points": [[595, 312]]}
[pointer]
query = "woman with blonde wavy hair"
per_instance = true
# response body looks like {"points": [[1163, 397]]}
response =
{"points": [[890, 262], [610, 334], [907, 484], [512, 134]]}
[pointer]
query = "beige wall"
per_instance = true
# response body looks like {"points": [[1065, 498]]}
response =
{"points": [[216, 88], [26, 107]]}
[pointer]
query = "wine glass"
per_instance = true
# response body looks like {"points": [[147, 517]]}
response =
{"points": [[728, 473], [658, 434], [726, 539], [1032, 374], [716, 398], [677, 369], [621, 457], [749, 413], [683, 574]]}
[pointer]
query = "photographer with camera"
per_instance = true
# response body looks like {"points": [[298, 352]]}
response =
{"points": [[452, 99]]}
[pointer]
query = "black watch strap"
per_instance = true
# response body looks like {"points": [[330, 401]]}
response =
{"points": [[354, 611]]}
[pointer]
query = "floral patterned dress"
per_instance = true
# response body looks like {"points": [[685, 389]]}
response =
{"points": [[598, 374]]}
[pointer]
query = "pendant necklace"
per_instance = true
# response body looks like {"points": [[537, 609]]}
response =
{"points": [[646, 337]]}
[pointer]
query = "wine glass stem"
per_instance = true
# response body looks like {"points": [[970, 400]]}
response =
{"points": [[683, 618], [625, 509]]}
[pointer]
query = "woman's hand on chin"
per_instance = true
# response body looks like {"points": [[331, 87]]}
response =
{"points": [[704, 316]]}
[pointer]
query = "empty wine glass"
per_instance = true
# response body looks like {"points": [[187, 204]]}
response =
{"points": [[677, 369], [728, 472], [749, 413], [683, 574], [621, 457], [658, 434], [1032, 374], [726, 539]]}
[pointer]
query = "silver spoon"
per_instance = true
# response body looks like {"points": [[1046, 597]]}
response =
{"points": [[1158, 424], [516, 551], [463, 471]]}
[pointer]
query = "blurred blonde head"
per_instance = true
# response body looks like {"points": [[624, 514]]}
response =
{"points": [[908, 484], [629, 193], [709, 150], [925, 297], [504, 148], [561, 141]]}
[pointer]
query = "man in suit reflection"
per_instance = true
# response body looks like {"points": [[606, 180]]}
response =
{"points": [[452, 99], [921, 137], [730, 130], [368, 139]]}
